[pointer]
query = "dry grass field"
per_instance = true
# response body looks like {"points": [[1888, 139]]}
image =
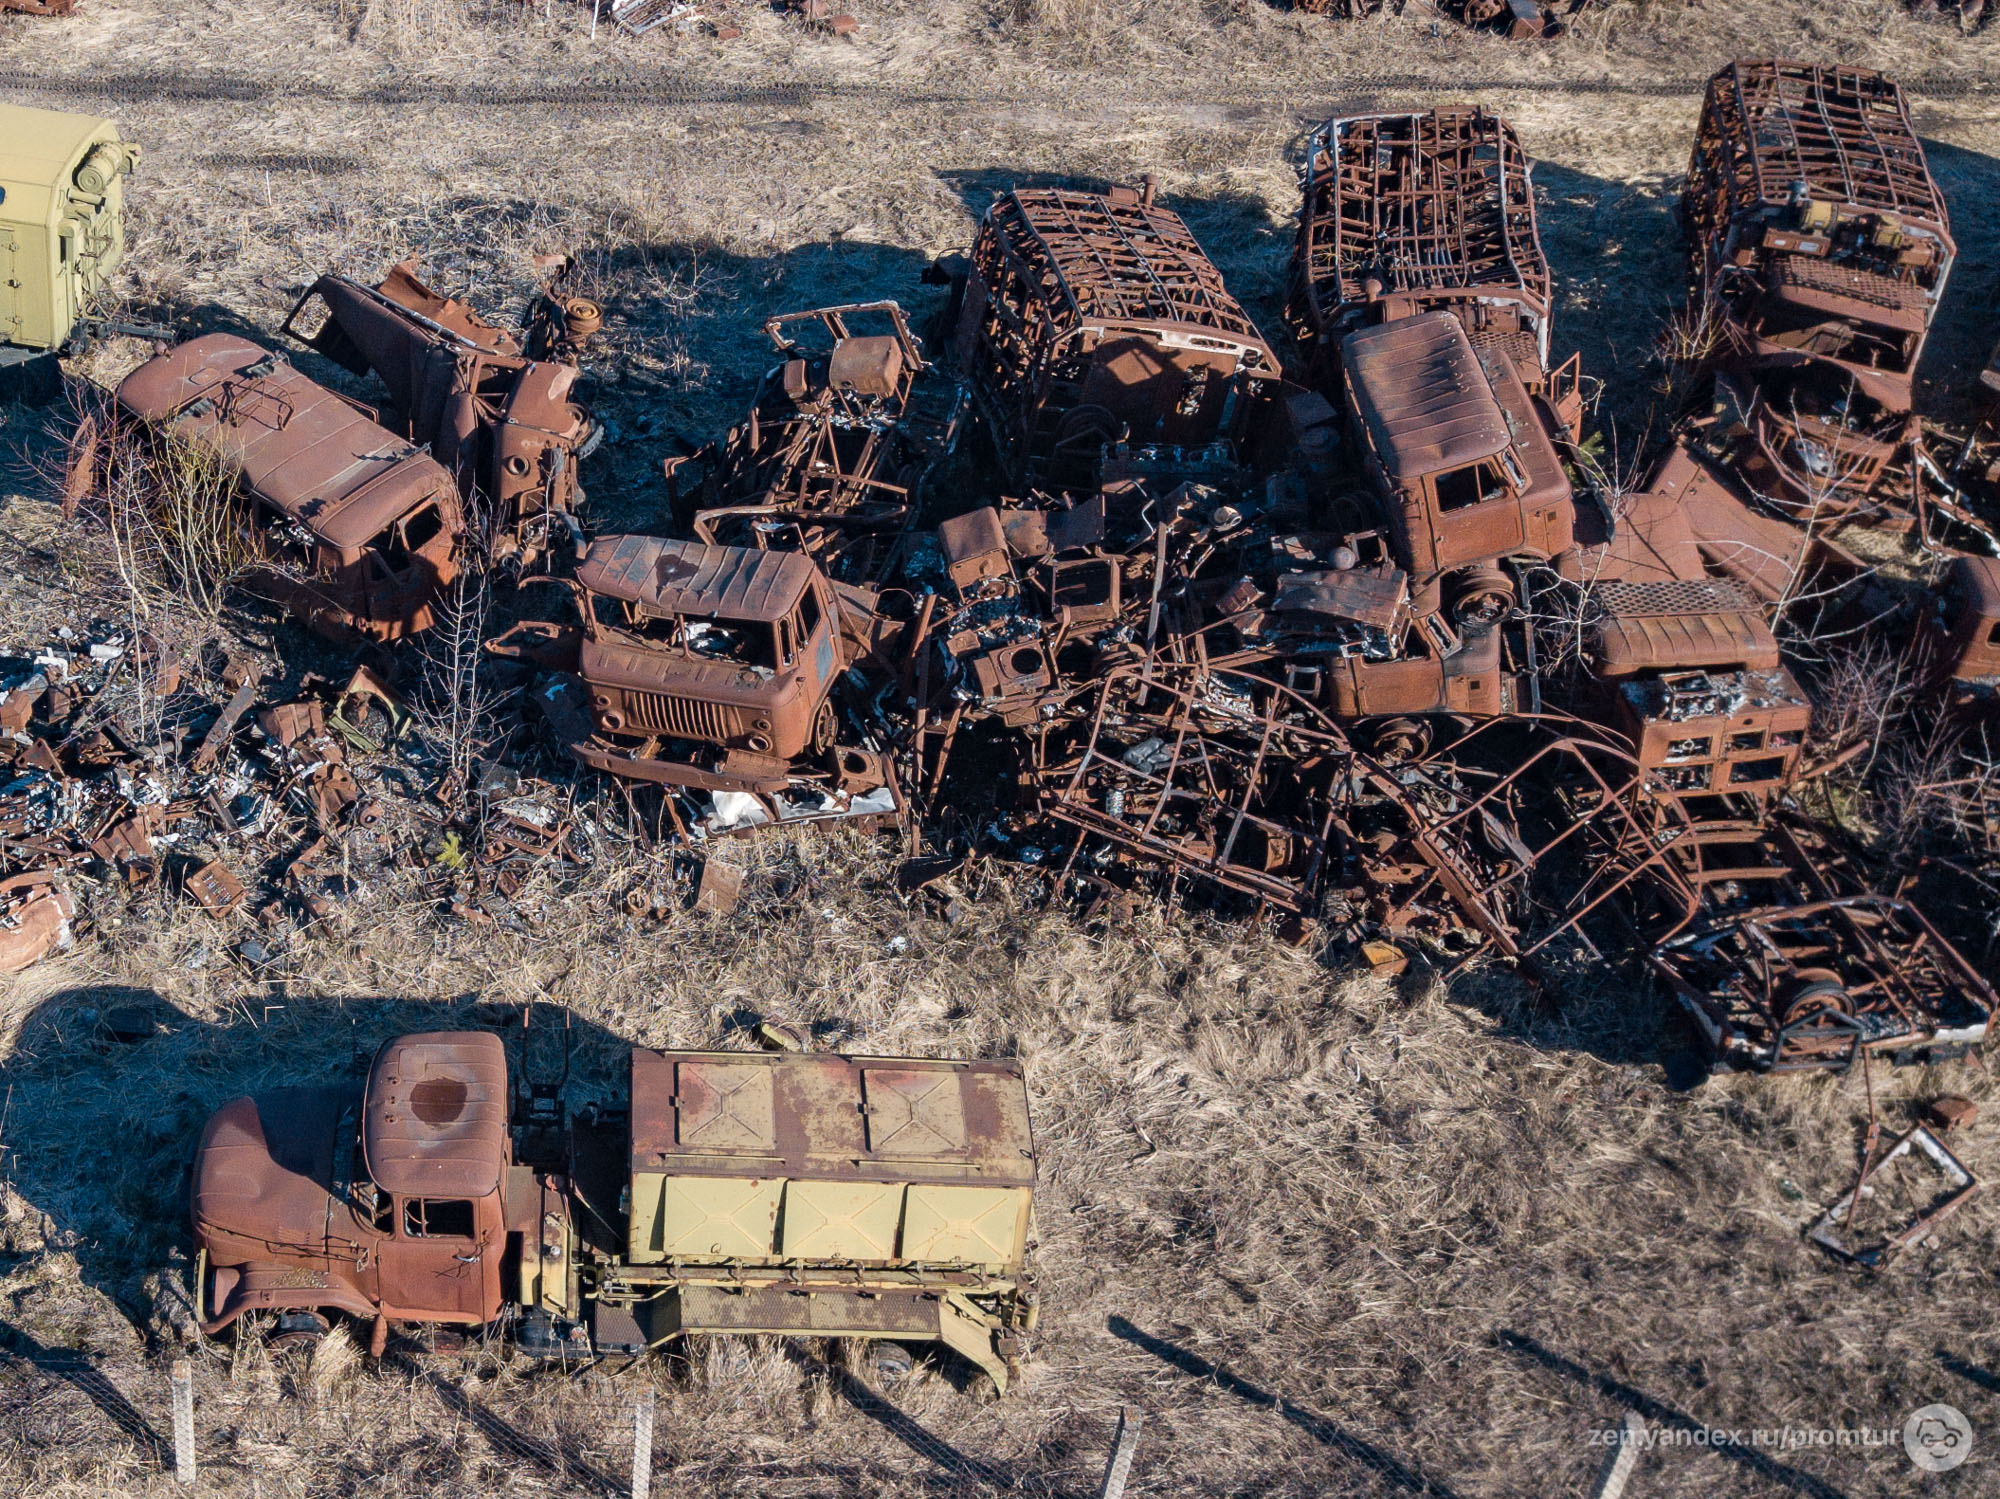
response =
{"points": [[1335, 1235]]}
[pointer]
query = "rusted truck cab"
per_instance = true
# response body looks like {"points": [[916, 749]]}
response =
{"points": [[1094, 322], [1466, 475], [1820, 245], [1966, 625], [725, 647], [1696, 684], [382, 1202], [358, 527]]}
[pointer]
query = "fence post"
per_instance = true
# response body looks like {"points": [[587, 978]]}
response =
{"points": [[1124, 1447], [183, 1383], [642, 1446], [1623, 1457]]}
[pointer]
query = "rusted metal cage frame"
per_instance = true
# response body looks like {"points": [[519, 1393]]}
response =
{"points": [[1045, 277], [1423, 242], [1757, 168], [1066, 805], [802, 480]]}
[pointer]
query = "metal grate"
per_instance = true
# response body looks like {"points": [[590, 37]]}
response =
{"points": [[682, 718]]}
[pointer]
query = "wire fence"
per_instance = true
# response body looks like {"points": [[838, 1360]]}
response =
{"points": [[564, 1440]]}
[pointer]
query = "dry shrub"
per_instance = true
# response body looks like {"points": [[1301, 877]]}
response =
{"points": [[1086, 24], [175, 528], [1687, 344]]}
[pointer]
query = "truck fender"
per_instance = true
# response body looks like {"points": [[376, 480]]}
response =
{"points": [[240, 1289], [966, 1330]]}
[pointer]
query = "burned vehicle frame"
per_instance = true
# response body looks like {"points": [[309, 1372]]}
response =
{"points": [[833, 456], [1095, 322], [358, 530], [1404, 214], [1819, 246]]}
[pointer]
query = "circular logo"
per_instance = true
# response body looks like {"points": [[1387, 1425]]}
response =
{"points": [[1938, 1438]]}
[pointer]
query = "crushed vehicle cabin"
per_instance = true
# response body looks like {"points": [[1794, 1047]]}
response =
{"points": [[791, 1193], [495, 407], [1819, 245], [62, 219], [357, 529]]}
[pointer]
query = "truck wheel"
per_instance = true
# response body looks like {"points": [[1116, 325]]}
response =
{"points": [[825, 727], [889, 1363], [297, 1329], [1486, 599]]}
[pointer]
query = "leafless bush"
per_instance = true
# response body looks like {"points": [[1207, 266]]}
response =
{"points": [[159, 527], [178, 530], [454, 707], [1686, 346]]}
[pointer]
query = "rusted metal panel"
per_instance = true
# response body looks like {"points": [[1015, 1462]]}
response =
{"points": [[35, 915], [434, 1115]]}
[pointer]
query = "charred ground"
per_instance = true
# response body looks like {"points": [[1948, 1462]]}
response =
{"points": [[1336, 1235]]}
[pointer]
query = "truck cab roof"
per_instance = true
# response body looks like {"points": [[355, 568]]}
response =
{"points": [[691, 578], [434, 1117], [300, 447], [1423, 397]]}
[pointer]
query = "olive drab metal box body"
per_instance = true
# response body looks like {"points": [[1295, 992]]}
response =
{"points": [[62, 229], [776, 1159]]}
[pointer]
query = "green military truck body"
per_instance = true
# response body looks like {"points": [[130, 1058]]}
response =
{"points": [[62, 229]]}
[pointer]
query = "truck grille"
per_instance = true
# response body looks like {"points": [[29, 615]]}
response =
{"points": [[677, 717]]}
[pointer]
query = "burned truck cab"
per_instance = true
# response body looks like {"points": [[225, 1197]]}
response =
{"points": [[705, 667], [496, 407], [358, 528], [382, 1202], [1466, 476]]}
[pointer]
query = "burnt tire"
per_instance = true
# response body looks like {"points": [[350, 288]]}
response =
{"points": [[298, 1329], [888, 1363], [1486, 601], [825, 729]]}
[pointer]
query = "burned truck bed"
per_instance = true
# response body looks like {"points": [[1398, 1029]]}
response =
{"points": [[1819, 245], [1092, 322]]}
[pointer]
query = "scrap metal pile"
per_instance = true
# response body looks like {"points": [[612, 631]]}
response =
{"points": [[1346, 628]]}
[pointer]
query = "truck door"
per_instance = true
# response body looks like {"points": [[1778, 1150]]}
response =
{"points": [[446, 1251]]}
